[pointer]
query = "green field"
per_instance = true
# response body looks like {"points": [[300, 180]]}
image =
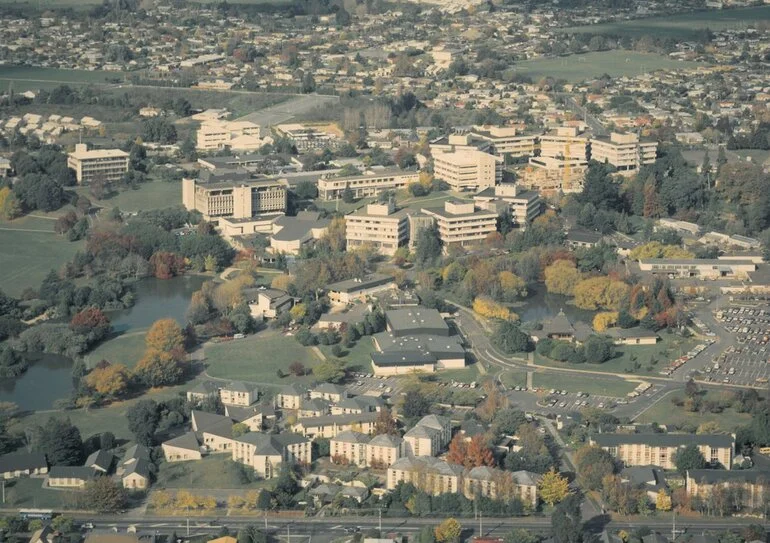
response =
{"points": [[31, 494], [213, 471], [151, 195], [468, 374], [30, 77], [665, 412], [575, 68], [257, 358], [357, 358], [126, 350], [592, 384], [669, 348], [681, 26], [513, 378], [29, 249]]}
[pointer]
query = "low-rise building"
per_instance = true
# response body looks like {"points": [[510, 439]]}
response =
{"points": [[291, 234], [182, 448], [267, 303], [107, 165], [427, 473], [632, 336], [701, 268], [627, 152], [134, 468], [330, 426], [71, 476], [565, 143], [238, 393], [20, 464], [307, 138], [428, 437], [461, 223], [383, 450], [753, 484], [366, 185], [501, 485], [359, 289], [525, 205], [379, 226], [290, 397], [217, 135], [660, 449], [256, 417], [329, 392]]}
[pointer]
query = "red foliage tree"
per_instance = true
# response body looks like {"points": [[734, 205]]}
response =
{"points": [[166, 265], [478, 454], [458, 450]]}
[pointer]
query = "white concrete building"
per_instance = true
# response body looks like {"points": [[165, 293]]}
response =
{"points": [[461, 223], [624, 151], [379, 226], [104, 164], [468, 169]]}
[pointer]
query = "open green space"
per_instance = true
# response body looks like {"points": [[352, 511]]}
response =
{"points": [[514, 378], [637, 359], [31, 77], [591, 384], [213, 471], [683, 25], [468, 374], [575, 68], [665, 412], [357, 358], [258, 358], [152, 195], [29, 249], [29, 493], [126, 349], [111, 418]]}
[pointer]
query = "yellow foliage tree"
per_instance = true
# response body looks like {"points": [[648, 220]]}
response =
{"points": [[448, 531], [298, 312], [663, 501], [282, 282], [709, 427], [111, 381], [426, 178], [490, 309], [164, 335], [160, 499], [600, 292], [553, 487], [185, 500], [656, 249], [230, 293], [512, 284], [235, 502], [9, 204], [604, 320], [561, 277]]}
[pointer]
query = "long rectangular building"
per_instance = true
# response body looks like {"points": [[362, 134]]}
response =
{"points": [[627, 152], [107, 165], [461, 223], [660, 449], [366, 185], [704, 268]]}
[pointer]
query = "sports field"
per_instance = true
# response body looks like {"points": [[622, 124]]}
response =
{"points": [[29, 249], [614, 63], [681, 26]]}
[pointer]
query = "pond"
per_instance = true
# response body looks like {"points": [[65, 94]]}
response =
{"points": [[48, 377], [540, 306]]}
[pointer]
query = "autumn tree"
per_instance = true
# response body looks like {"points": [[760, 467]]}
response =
{"points": [[478, 453], [91, 323], [656, 249], [297, 368], [385, 423], [663, 501], [490, 309], [166, 265], [561, 277], [9, 204], [105, 495], [458, 450], [600, 292], [161, 364], [330, 371], [111, 381], [604, 319], [593, 464], [553, 487], [448, 531]]}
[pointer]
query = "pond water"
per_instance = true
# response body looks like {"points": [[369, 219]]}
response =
{"points": [[540, 306], [48, 377]]}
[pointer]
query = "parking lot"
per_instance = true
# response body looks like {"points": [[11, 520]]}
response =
{"points": [[746, 361], [361, 383], [563, 400]]}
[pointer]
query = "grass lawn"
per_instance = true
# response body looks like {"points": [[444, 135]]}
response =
{"points": [[29, 249], [29, 493], [31, 77], [684, 25], [342, 207], [152, 195], [512, 378], [213, 471], [358, 357], [665, 412], [105, 419], [591, 384], [468, 374], [257, 358], [575, 68], [126, 349], [669, 348]]}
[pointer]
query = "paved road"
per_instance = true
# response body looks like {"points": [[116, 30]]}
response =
{"points": [[596, 126]]}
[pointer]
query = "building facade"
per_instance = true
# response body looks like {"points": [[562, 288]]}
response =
{"points": [[108, 165], [366, 185], [624, 151], [468, 169], [379, 226], [461, 223], [660, 449], [240, 198]]}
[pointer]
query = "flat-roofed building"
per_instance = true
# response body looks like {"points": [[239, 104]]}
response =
{"points": [[291, 234], [703, 268], [217, 135], [234, 195], [367, 184], [549, 175], [461, 223], [107, 165], [468, 169], [506, 140], [408, 354], [565, 144], [379, 226], [660, 449], [525, 205], [627, 152], [307, 138], [359, 288]]}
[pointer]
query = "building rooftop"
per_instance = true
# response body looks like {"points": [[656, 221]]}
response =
{"points": [[295, 228], [362, 283], [416, 320], [664, 440], [20, 461]]}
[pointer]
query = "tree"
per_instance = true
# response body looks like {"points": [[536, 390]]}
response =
{"points": [[9, 204], [598, 349], [385, 423], [521, 535], [566, 523], [427, 534], [593, 464], [143, 418], [347, 195], [553, 487], [490, 309], [105, 495], [240, 429], [60, 440], [428, 246], [448, 531], [111, 381], [689, 458], [458, 450], [663, 501], [330, 371], [510, 339], [297, 368], [604, 319], [161, 363], [415, 404], [561, 277], [92, 323], [478, 453]]}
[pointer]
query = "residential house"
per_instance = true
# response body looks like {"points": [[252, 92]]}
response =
{"points": [[71, 476], [100, 460], [20, 464], [182, 448], [268, 303], [239, 394], [134, 468]]}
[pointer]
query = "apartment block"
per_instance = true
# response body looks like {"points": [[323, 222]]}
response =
{"points": [[103, 164], [468, 169], [265, 453], [427, 473], [565, 143], [366, 185], [379, 226], [330, 426], [428, 437], [234, 196], [349, 448], [627, 152], [461, 223], [660, 449], [525, 205], [240, 135], [238, 393], [307, 138], [498, 485], [550, 175], [383, 450], [753, 484]]}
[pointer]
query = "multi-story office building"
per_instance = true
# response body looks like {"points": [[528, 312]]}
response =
{"points": [[660, 449], [525, 205], [216, 135], [379, 226], [506, 140], [461, 223], [701, 268], [366, 185], [549, 175], [307, 138], [565, 144], [234, 195], [624, 151], [107, 165], [468, 169]]}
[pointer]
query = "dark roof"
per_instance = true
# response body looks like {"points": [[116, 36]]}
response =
{"points": [[205, 420], [72, 472], [240, 414], [584, 236], [625, 333], [338, 419], [402, 358], [416, 320], [100, 459], [295, 228], [187, 441], [271, 444], [360, 283], [293, 389], [437, 346], [204, 387], [136, 452], [141, 467], [22, 462], [559, 325], [713, 476], [664, 440]]}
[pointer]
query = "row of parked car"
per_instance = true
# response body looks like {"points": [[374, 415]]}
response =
{"points": [[682, 360]]}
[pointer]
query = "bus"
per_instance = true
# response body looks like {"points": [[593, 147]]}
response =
{"points": [[40, 514]]}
